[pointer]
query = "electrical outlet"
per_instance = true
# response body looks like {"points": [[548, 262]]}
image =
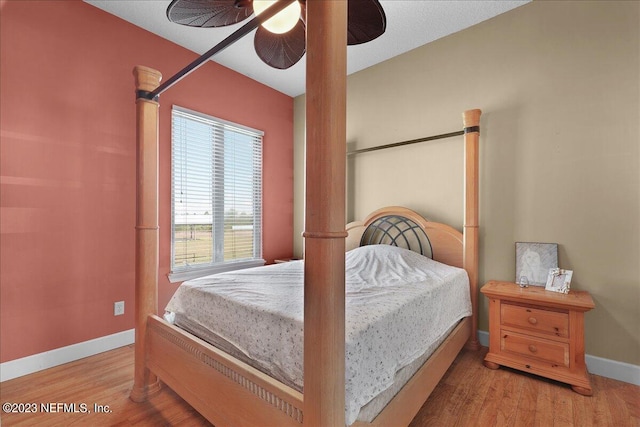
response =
{"points": [[118, 308]]}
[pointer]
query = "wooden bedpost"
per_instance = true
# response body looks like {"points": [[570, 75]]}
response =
{"points": [[324, 282], [471, 121], [146, 293]]}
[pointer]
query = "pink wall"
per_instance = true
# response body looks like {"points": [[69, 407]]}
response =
{"points": [[67, 167]]}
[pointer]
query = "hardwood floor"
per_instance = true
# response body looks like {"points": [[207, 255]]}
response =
{"points": [[468, 395]]}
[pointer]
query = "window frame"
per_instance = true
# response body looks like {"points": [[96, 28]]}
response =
{"points": [[190, 272]]}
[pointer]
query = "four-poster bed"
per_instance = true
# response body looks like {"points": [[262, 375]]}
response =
{"points": [[228, 391]]}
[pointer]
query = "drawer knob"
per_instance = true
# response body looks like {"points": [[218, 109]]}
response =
{"points": [[533, 320], [533, 348]]}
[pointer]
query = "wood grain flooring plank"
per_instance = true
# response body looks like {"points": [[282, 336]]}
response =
{"points": [[527, 403], [562, 406]]}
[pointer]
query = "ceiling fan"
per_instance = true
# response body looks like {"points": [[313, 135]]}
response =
{"points": [[280, 41]]}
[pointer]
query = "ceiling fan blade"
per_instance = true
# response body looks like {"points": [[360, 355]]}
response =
{"points": [[281, 50], [367, 21], [207, 13]]}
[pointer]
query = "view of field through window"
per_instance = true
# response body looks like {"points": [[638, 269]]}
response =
{"points": [[194, 244]]}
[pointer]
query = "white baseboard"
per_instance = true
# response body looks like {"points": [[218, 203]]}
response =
{"points": [[613, 369], [483, 337], [620, 371], [49, 359]]}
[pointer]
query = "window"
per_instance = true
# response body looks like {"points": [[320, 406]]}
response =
{"points": [[216, 195]]}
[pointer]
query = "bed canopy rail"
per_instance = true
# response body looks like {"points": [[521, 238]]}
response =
{"points": [[410, 142]]}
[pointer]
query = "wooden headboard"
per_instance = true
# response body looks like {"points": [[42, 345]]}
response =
{"points": [[399, 226]]}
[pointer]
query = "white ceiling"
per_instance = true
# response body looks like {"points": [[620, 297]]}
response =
{"points": [[410, 23]]}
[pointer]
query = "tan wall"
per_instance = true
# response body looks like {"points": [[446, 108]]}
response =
{"points": [[558, 83]]}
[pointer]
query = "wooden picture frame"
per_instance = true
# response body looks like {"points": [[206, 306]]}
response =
{"points": [[534, 260], [559, 280]]}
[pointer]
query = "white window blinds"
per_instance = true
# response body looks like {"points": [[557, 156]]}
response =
{"points": [[216, 193]]}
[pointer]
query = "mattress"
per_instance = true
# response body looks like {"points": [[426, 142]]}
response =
{"points": [[399, 307]]}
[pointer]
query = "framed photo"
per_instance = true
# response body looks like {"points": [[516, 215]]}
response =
{"points": [[559, 280], [533, 262]]}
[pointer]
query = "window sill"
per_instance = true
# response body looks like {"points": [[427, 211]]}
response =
{"points": [[181, 276]]}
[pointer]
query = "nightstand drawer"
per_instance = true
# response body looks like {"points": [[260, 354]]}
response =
{"points": [[541, 349], [544, 321]]}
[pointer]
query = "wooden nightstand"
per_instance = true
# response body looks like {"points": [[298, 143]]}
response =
{"points": [[538, 331]]}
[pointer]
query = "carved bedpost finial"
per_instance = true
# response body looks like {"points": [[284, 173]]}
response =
{"points": [[146, 78], [471, 118]]}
